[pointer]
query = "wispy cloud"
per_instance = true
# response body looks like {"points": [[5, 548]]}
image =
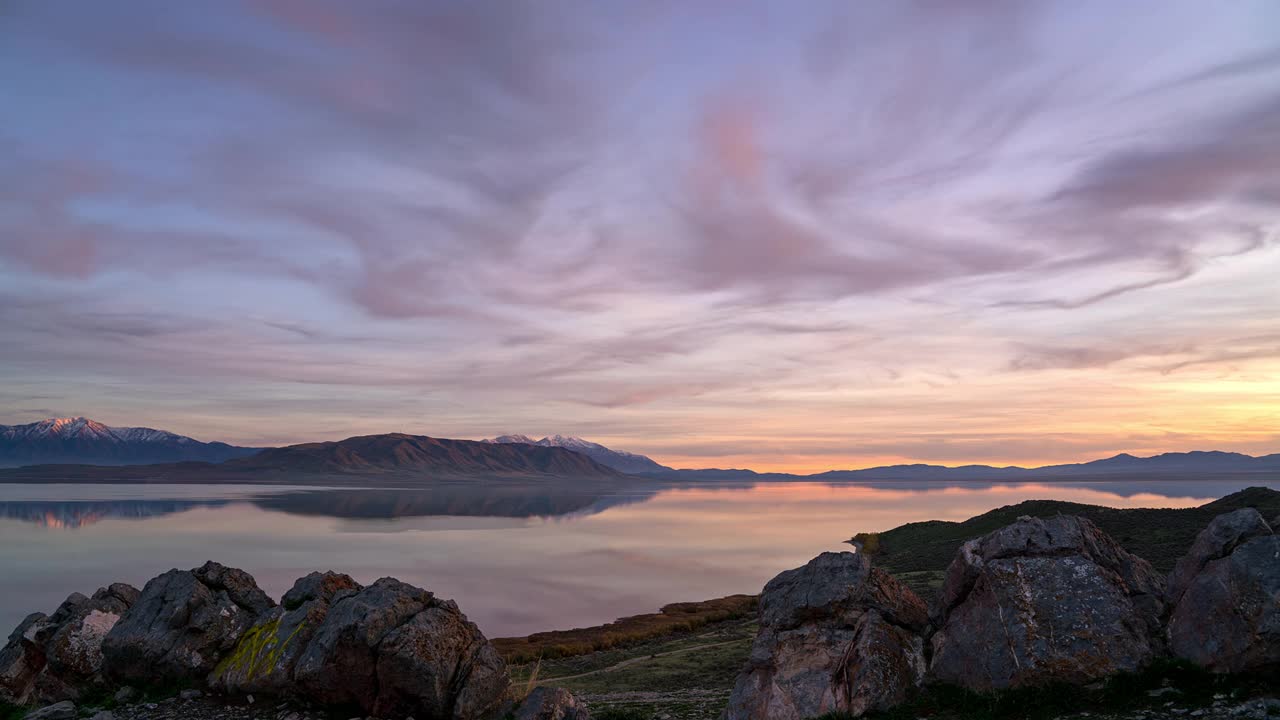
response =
{"points": [[646, 220]]}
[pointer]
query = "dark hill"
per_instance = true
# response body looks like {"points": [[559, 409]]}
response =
{"points": [[919, 552], [397, 452], [395, 458]]}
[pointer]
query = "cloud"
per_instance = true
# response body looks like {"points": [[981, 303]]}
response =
{"points": [[516, 214]]}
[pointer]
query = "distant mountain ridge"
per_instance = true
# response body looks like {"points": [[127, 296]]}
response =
{"points": [[1176, 463], [617, 459], [143, 452], [84, 441], [398, 452], [394, 459]]}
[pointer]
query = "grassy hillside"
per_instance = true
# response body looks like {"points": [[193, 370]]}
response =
{"points": [[673, 619], [918, 553]]}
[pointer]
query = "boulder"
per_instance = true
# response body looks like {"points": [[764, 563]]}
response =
{"points": [[1223, 535], [52, 658], [545, 703], [265, 657], [390, 649], [182, 624], [1044, 600], [1226, 595], [65, 710], [835, 636]]}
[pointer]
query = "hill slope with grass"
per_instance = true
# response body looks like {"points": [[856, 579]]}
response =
{"points": [[919, 553]]}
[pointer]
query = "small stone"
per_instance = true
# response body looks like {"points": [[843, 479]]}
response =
{"points": [[191, 694], [103, 715], [126, 694], [1197, 713], [248, 699], [65, 710]]}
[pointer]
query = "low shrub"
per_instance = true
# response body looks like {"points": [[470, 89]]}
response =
{"points": [[622, 713], [9, 711]]}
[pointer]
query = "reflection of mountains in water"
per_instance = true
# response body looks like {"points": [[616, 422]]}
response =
{"points": [[64, 514], [386, 504], [457, 501]]}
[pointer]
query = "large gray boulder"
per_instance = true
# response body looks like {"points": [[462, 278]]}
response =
{"points": [[56, 657], [391, 649], [264, 658], [1045, 600], [545, 703], [65, 710], [182, 624], [1226, 596], [835, 636]]}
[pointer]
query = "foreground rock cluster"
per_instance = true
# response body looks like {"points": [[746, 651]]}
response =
{"points": [[1044, 600], [389, 650], [1040, 601]]}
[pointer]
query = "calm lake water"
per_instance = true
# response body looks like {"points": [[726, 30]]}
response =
{"points": [[517, 559]]}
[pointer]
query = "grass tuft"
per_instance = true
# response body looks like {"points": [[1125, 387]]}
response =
{"points": [[673, 619], [9, 711], [622, 713]]}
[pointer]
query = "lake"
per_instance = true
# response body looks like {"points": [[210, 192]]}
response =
{"points": [[517, 558]]}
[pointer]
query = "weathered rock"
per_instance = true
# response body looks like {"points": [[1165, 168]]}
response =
{"points": [[182, 624], [1226, 615], [835, 636], [391, 649], [1045, 600], [65, 710], [1223, 535], [55, 657], [438, 664], [545, 703], [125, 694], [266, 655]]}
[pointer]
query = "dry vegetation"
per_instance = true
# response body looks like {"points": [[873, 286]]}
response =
{"points": [[672, 619]]}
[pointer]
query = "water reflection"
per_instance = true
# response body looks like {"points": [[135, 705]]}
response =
{"points": [[506, 501], [518, 559]]}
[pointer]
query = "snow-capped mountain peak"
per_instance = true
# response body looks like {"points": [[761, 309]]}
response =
{"points": [[83, 428], [616, 459], [80, 440], [509, 439]]}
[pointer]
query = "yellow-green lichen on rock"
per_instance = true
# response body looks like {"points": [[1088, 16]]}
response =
{"points": [[258, 651]]}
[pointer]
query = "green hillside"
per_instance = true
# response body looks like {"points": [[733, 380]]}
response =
{"points": [[918, 553]]}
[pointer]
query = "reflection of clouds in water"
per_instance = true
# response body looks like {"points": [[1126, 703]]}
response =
{"points": [[609, 555], [369, 509]]}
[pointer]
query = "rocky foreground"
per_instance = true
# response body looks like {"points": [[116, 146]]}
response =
{"points": [[1038, 603], [388, 650]]}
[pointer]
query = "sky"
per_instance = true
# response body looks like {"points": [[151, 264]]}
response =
{"points": [[784, 236]]}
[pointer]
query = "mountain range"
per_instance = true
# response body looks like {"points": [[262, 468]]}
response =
{"points": [[83, 441], [67, 448], [1196, 462], [391, 459], [617, 459], [397, 452]]}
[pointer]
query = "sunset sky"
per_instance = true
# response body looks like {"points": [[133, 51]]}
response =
{"points": [[784, 236]]}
